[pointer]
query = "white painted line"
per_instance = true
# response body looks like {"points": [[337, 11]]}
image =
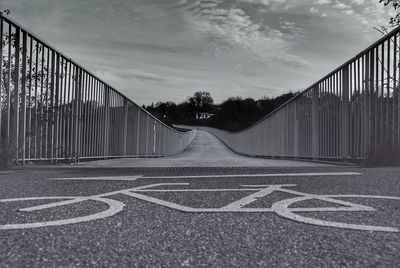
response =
{"points": [[239, 204], [282, 208], [197, 190], [111, 178], [114, 207], [259, 175]]}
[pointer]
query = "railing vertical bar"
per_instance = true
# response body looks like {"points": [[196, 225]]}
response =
{"points": [[315, 123], [16, 115], [125, 127], [345, 137], [22, 122], [29, 126], [87, 114], [377, 98], [114, 124], [398, 92], [47, 109], [363, 106], [78, 114], [94, 118], [370, 81], [91, 116], [70, 111], [88, 86], [337, 113], [106, 119], [352, 112], [325, 111], [91, 125], [98, 123], [394, 91], [387, 109], [36, 77], [111, 124], [91, 128], [52, 93], [83, 114], [64, 104], [1, 75], [8, 87], [56, 89], [331, 129]]}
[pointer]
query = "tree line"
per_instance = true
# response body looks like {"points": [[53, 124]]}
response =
{"points": [[233, 114]]}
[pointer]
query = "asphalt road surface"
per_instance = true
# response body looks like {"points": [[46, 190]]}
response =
{"points": [[251, 216]]}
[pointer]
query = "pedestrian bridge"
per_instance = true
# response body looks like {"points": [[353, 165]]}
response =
{"points": [[205, 151], [54, 109]]}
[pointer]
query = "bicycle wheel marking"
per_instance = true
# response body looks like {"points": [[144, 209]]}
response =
{"points": [[114, 207], [281, 208]]}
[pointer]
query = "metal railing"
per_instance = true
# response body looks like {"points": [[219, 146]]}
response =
{"points": [[52, 108], [349, 114]]}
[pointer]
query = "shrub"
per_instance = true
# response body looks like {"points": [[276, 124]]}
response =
{"points": [[7, 153], [384, 157]]}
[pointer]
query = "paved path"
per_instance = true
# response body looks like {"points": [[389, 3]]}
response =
{"points": [[205, 151], [199, 217], [207, 207]]}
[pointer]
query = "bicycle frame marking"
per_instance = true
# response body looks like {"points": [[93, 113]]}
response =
{"points": [[280, 208]]}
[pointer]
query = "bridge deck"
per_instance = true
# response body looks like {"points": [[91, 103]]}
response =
{"points": [[205, 151]]}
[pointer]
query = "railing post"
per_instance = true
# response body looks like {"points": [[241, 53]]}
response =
{"points": [[125, 127], [23, 97], [77, 113], [106, 120], [296, 129], [154, 137], [52, 106], [15, 96], [1, 68], [56, 107], [315, 122], [147, 136], [345, 139], [138, 132], [367, 106]]}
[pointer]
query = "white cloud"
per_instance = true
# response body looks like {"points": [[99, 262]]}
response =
{"points": [[322, 2], [348, 12], [231, 33], [340, 5], [313, 10], [358, 2]]}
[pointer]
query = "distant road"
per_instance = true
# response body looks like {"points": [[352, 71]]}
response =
{"points": [[205, 151]]}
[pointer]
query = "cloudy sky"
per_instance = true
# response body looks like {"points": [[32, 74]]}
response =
{"points": [[159, 50]]}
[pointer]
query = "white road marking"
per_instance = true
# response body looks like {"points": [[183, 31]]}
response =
{"points": [[281, 208], [114, 207], [239, 204], [110, 178], [196, 190], [136, 177], [260, 175]]}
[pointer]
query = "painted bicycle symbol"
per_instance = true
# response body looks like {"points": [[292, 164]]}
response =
{"points": [[284, 208]]}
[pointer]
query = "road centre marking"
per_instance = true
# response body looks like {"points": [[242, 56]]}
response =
{"points": [[136, 177], [110, 178]]}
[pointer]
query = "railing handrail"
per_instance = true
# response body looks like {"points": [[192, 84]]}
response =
{"points": [[359, 55], [47, 45]]}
